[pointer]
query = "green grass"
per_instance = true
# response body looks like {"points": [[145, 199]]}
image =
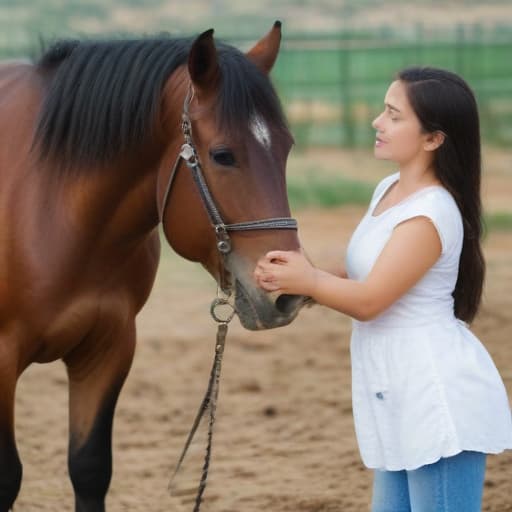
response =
{"points": [[499, 221], [311, 191], [322, 192]]}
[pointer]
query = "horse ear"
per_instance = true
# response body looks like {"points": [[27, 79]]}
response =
{"points": [[202, 62], [264, 52]]}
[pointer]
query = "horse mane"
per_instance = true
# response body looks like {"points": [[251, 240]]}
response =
{"points": [[103, 96]]}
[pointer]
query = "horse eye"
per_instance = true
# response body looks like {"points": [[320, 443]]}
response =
{"points": [[223, 157]]}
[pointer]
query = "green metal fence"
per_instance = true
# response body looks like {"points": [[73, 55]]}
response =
{"points": [[333, 85]]}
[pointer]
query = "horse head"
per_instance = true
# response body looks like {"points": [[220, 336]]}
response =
{"points": [[236, 134]]}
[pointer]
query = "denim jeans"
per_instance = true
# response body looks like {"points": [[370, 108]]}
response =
{"points": [[453, 484]]}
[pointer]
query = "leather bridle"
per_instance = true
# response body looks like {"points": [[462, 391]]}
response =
{"points": [[189, 154]]}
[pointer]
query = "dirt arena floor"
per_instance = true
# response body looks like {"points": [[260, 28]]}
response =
{"points": [[284, 436]]}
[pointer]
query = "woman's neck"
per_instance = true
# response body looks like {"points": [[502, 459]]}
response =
{"points": [[416, 175]]}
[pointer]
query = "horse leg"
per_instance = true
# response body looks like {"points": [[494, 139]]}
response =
{"points": [[10, 464], [97, 370]]}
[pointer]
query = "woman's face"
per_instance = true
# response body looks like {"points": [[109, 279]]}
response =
{"points": [[399, 136]]}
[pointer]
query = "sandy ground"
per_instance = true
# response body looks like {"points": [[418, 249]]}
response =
{"points": [[284, 437]]}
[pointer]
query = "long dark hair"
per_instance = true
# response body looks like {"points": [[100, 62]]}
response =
{"points": [[444, 102]]}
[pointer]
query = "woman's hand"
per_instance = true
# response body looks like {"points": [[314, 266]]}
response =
{"points": [[286, 272]]}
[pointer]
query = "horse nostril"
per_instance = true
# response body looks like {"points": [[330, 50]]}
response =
{"points": [[287, 304]]}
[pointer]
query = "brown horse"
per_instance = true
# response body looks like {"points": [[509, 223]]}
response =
{"points": [[90, 137]]}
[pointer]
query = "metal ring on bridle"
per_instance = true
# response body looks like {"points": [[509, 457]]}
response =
{"points": [[224, 246], [219, 302]]}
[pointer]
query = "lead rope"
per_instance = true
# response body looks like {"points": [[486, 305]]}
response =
{"points": [[209, 402], [189, 155]]}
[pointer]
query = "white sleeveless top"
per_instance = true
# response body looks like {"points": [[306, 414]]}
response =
{"points": [[423, 386]]}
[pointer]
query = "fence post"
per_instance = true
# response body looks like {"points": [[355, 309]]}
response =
{"points": [[459, 49], [420, 42], [346, 94]]}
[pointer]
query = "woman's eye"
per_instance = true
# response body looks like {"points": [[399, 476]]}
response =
{"points": [[223, 157]]}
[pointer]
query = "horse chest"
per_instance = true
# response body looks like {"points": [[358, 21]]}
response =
{"points": [[65, 329]]}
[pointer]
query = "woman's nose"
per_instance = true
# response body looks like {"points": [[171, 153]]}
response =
{"points": [[376, 122]]}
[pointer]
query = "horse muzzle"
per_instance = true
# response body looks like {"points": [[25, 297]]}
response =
{"points": [[259, 310]]}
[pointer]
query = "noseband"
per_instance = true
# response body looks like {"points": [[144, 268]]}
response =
{"points": [[189, 154]]}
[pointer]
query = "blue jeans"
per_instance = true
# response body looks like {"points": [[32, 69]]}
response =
{"points": [[453, 484]]}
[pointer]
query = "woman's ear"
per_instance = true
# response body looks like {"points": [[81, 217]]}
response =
{"points": [[434, 140]]}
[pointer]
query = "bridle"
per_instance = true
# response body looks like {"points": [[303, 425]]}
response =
{"points": [[189, 154]]}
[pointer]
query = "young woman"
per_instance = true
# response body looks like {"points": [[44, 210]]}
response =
{"points": [[428, 401]]}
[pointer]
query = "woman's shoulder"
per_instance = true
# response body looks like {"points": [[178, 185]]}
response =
{"points": [[437, 204], [438, 199]]}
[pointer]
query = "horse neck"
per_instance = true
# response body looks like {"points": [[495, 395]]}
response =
{"points": [[127, 193]]}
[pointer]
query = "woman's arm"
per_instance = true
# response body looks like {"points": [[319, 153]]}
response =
{"points": [[335, 265], [412, 249], [332, 263], [336, 269]]}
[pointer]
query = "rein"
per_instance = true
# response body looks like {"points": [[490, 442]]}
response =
{"points": [[189, 154], [209, 402]]}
